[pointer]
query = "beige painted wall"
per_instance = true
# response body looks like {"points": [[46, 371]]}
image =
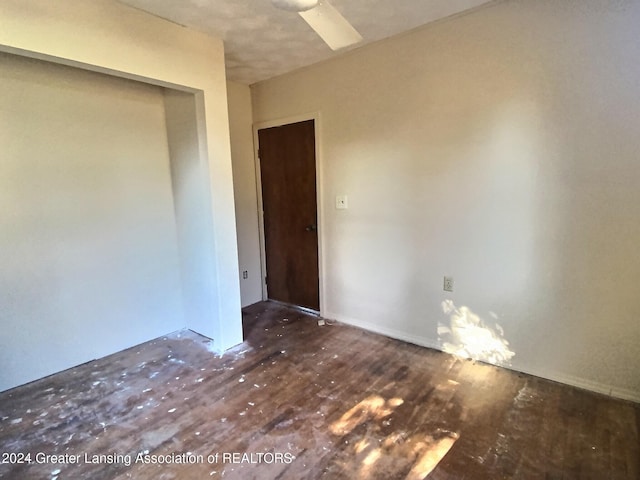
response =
{"points": [[244, 184], [110, 38], [88, 248], [192, 207], [500, 148]]}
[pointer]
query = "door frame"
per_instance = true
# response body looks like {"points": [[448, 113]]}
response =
{"points": [[315, 116]]}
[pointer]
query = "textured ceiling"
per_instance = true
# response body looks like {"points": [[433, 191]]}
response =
{"points": [[262, 42]]}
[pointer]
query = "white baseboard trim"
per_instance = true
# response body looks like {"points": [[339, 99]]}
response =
{"points": [[387, 332], [585, 384]]}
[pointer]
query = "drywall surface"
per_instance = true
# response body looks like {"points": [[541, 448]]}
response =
{"points": [[108, 37], [88, 243], [499, 148], [244, 183], [192, 209]]}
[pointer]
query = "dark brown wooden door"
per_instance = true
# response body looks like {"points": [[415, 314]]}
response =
{"points": [[288, 172]]}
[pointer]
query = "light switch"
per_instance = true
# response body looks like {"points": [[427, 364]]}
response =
{"points": [[341, 202]]}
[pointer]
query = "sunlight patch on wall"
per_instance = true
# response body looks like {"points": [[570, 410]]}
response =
{"points": [[468, 336]]}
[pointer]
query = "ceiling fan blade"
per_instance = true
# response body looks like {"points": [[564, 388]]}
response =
{"points": [[332, 27]]}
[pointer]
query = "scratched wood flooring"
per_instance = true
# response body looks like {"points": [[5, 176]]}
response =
{"points": [[301, 401]]}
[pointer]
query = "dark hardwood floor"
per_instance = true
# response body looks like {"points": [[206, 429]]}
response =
{"points": [[302, 401]]}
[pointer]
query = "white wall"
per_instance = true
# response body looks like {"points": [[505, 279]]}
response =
{"points": [[244, 184], [108, 37], [88, 239], [500, 148], [191, 195]]}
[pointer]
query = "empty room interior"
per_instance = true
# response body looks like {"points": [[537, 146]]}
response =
{"points": [[341, 239]]}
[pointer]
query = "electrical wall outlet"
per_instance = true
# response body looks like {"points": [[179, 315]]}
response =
{"points": [[448, 284], [245, 274], [342, 202]]}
